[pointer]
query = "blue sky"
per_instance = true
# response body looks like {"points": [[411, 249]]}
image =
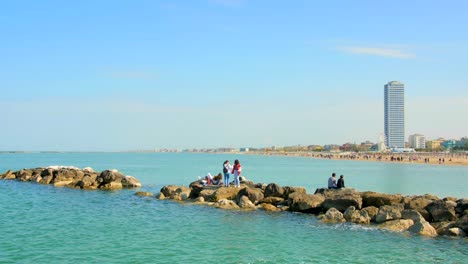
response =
{"points": [[119, 75]]}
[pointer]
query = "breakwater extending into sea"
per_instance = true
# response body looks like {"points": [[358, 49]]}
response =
{"points": [[66, 225]]}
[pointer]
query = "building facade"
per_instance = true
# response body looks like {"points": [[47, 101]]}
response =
{"points": [[417, 141], [394, 109]]}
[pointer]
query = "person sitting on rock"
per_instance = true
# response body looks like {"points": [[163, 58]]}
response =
{"points": [[332, 182], [217, 180], [340, 183]]}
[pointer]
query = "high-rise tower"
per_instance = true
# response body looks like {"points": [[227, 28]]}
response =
{"points": [[395, 114]]}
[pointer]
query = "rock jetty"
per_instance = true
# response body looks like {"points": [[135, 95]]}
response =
{"points": [[425, 215], [73, 177]]}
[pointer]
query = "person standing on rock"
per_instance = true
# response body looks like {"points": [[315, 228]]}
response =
{"points": [[237, 170], [227, 169], [332, 182], [340, 183]]}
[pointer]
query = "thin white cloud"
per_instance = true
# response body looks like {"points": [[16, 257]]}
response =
{"points": [[375, 51]]}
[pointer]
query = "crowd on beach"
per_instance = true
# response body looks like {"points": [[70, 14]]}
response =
{"points": [[228, 169], [425, 158]]}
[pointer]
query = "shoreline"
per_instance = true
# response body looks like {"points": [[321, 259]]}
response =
{"points": [[447, 159]]}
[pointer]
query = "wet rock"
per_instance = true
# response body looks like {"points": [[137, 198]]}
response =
{"points": [[389, 212], [456, 232], [111, 186], [332, 216], [160, 196], [144, 194], [274, 190], [226, 204], [24, 175], [130, 182], [441, 211], [423, 229], [169, 190], [269, 207], [356, 216], [9, 175], [398, 225], [199, 200]]}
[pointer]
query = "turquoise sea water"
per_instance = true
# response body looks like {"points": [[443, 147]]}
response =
{"points": [[44, 224]]}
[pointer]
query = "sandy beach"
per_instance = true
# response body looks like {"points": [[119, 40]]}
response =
{"points": [[443, 159]]}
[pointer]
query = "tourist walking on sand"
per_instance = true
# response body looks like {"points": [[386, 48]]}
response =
{"points": [[332, 182], [227, 169], [237, 170], [340, 183]]}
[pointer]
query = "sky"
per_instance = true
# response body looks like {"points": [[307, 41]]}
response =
{"points": [[130, 75]]}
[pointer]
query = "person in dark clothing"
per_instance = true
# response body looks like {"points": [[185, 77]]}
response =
{"points": [[340, 183]]}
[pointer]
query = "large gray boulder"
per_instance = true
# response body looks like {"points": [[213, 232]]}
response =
{"points": [[245, 203], [332, 216], [274, 190], [412, 214], [356, 216], [372, 212], [462, 205], [300, 202], [380, 199], [441, 211], [130, 182], [423, 229], [169, 190], [398, 225], [419, 203], [289, 190], [226, 204], [389, 212], [342, 199], [255, 195], [462, 223], [229, 193], [110, 179], [272, 200]]}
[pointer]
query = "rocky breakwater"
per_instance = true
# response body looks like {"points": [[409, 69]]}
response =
{"points": [[425, 215], [73, 177]]}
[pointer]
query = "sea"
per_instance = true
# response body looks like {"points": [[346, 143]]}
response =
{"points": [[45, 224]]}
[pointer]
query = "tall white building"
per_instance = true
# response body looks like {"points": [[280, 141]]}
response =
{"points": [[417, 141], [394, 94]]}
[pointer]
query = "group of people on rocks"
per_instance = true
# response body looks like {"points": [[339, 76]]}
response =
{"points": [[333, 184], [228, 170]]}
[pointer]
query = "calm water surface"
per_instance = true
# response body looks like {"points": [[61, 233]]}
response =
{"points": [[43, 224]]}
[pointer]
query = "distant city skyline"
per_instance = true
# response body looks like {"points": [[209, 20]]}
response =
{"points": [[120, 75]]}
